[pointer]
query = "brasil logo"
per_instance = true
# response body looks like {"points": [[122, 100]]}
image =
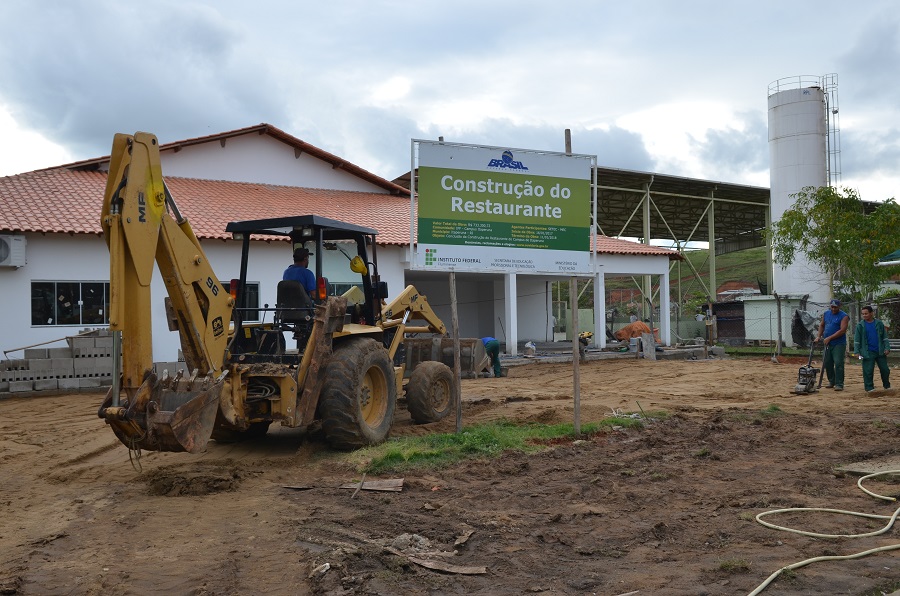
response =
{"points": [[507, 162]]}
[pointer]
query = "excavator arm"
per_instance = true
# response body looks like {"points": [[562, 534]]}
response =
{"points": [[144, 229], [410, 306]]}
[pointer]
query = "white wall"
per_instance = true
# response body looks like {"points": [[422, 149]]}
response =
{"points": [[474, 298], [261, 159], [535, 306], [392, 262], [54, 257], [633, 264]]}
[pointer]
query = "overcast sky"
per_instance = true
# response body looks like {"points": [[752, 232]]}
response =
{"points": [[654, 85]]}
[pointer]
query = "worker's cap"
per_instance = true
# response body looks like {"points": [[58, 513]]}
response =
{"points": [[300, 254], [835, 302]]}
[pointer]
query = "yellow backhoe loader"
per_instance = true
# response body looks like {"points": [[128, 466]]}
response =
{"points": [[345, 372]]}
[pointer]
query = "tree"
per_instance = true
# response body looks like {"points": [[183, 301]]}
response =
{"points": [[833, 230]]}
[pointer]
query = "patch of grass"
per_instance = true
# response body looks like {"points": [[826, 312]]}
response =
{"points": [[478, 441], [705, 452], [772, 410], [788, 576], [756, 351], [747, 516], [738, 416], [734, 566]]}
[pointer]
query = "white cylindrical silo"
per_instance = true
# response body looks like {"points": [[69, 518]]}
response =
{"points": [[797, 158]]}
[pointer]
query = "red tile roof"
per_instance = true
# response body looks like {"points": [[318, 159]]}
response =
{"points": [[55, 200], [66, 201], [69, 201], [617, 246]]}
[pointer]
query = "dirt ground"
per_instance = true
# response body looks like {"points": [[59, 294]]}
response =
{"points": [[667, 509]]}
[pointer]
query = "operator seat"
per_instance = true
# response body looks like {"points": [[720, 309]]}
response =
{"points": [[294, 310], [292, 302]]}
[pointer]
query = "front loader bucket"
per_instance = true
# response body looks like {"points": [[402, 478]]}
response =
{"points": [[472, 357], [164, 418]]}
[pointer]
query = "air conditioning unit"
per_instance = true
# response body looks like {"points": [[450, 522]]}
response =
{"points": [[12, 250]]}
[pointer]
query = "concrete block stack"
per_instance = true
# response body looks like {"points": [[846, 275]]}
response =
{"points": [[85, 363], [172, 367]]}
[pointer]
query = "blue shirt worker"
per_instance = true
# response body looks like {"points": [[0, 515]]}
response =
{"points": [[299, 271], [492, 347], [871, 343], [833, 333]]}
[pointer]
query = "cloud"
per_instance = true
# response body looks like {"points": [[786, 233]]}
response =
{"points": [[872, 59], [645, 86], [735, 153], [177, 71], [24, 150]]}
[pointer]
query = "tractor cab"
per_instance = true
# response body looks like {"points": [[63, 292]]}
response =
{"points": [[342, 259]]}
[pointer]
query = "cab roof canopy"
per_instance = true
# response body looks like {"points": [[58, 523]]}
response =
{"points": [[288, 226]]}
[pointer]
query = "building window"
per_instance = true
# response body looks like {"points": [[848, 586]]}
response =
{"points": [[251, 315], [338, 289], [69, 303]]}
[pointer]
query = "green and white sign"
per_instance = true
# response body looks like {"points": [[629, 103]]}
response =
{"points": [[495, 209]]}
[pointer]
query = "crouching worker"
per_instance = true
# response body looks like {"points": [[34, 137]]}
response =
{"points": [[492, 347]]}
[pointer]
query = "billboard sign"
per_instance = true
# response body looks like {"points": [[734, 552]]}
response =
{"points": [[491, 209]]}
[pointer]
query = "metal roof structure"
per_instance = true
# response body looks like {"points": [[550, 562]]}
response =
{"points": [[681, 209]]}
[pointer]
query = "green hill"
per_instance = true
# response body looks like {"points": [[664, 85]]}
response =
{"points": [[745, 265]]}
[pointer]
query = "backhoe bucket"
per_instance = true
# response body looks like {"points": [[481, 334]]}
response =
{"points": [[158, 418], [472, 357]]}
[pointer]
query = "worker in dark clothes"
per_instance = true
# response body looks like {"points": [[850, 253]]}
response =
{"points": [[492, 347], [833, 333]]}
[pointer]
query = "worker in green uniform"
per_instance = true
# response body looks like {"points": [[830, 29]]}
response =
{"points": [[492, 347], [833, 333], [871, 343]]}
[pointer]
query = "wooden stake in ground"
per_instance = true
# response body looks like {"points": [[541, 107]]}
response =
{"points": [[576, 371], [457, 367]]}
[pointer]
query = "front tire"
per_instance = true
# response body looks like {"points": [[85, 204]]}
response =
{"points": [[359, 396], [429, 393]]}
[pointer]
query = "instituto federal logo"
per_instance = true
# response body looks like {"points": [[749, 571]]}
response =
{"points": [[507, 162], [429, 256]]}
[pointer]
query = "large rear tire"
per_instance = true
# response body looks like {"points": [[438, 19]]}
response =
{"points": [[360, 395], [429, 393]]}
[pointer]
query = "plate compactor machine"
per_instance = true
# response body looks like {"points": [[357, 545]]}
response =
{"points": [[809, 378]]}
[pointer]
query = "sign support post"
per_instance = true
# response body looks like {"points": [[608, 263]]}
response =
{"points": [[457, 367]]}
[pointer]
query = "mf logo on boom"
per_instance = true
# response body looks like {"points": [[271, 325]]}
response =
{"points": [[142, 208], [507, 162]]}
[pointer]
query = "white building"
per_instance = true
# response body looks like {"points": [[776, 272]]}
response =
{"points": [[60, 286]]}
